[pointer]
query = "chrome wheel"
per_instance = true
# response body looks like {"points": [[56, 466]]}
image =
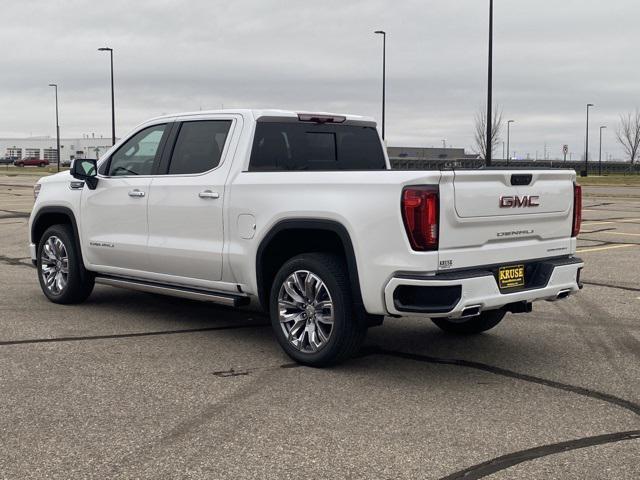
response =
{"points": [[305, 311], [54, 265]]}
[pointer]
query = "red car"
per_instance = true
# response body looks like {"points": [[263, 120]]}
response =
{"points": [[31, 162]]}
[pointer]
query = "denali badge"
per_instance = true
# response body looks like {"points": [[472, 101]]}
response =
{"points": [[519, 202], [515, 233]]}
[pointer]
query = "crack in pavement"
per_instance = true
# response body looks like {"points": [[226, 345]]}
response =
{"points": [[603, 242], [608, 285], [17, 185], [15, 214], [495, 465], [632, 210], [594, 394], [10, 193], [478, 471], [610, 219], [610, 229], [15, 261], [128, 335]]}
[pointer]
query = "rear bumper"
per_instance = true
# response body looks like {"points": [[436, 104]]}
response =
{"points": [[451, 294]]}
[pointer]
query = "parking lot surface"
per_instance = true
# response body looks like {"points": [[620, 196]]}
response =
{"points": [[133, 385]]}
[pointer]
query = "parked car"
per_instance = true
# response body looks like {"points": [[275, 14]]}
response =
{"points": [[299, 215], [7, 160], [31, 162], [65, 163]]}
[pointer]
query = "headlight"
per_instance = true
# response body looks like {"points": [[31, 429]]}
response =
{"points": [[36, 190]]}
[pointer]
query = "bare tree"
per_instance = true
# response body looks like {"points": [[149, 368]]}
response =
{"points": [[481, 131], [628, 134]]}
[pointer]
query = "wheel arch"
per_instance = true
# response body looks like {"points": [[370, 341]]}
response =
{"points": [[48, 216], [279, 245]]}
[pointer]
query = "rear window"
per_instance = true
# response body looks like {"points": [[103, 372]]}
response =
{"points": [[308, 146]]}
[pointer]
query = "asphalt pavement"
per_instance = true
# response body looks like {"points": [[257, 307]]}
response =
{"points": [[134, 385]]}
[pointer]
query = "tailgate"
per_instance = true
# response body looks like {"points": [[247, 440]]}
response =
{"points": [[493, 193], [493, 217]]}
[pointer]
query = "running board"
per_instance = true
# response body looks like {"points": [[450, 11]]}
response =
{"points": [[227, 299]]}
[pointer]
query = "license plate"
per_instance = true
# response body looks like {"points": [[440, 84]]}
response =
{"points": [[511, 277]]}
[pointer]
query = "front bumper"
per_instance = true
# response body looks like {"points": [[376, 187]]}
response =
{"points": [[452, 294]]}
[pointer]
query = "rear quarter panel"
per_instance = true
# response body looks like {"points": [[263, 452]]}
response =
{"points": [[366, 203]]}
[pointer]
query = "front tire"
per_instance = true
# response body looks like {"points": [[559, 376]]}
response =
{"points": [[483, 322], [61, 273], [312, 311]]}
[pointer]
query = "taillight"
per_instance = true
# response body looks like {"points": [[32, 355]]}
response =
{"points": [[577, 209], [420, 207]]}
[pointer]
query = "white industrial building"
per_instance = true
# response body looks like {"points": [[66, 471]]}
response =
{"points": [[45, 147]]}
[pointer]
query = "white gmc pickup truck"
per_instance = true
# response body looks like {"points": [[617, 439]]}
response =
{"points": [[300, 215]]}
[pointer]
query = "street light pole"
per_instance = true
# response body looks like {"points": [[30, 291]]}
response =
{"points": [[509, 137], [489, 144], [384, 74], [586, 145], [600, 155], [113, 108], [55, 86]]}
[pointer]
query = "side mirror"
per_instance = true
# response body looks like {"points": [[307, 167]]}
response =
{"points": [[86, 170]]}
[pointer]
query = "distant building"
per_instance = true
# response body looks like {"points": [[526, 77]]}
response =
{"points": [[45, 148], [424, 158]]}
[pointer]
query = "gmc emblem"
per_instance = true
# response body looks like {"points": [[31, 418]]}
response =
{"points": [[519, 202]]}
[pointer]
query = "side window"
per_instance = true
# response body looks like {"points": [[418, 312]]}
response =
{"points": [[199, 146], [137, 155], [271, 148]]}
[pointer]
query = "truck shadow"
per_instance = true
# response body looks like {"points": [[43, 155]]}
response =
{"points": [[413, 336], [190, 313], [499, 346]]}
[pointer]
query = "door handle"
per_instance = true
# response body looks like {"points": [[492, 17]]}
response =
{"points": [[136, 193], [208, 194]]}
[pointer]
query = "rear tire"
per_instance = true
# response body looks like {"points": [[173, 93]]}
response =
{"points": [[485, 321], [61, 273], [312, 311]]}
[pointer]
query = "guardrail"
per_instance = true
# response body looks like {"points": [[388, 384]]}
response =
{"points": [[608, 168]]}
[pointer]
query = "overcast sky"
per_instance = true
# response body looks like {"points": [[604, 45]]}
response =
{"points": [[551, 57]]}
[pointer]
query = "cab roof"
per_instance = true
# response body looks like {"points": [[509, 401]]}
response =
{"points": [[257, 114]]}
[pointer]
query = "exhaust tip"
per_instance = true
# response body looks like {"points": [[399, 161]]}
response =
{"points": [[471, 311], [563, 294]]}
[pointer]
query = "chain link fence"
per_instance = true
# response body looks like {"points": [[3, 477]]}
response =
{"points": [[608, 168]]}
